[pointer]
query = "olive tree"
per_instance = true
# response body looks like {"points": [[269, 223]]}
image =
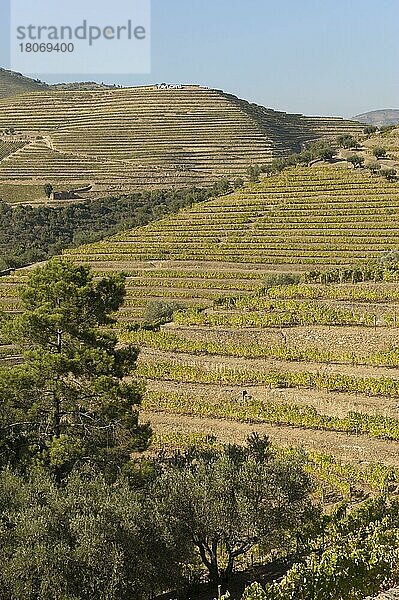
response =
{"points": [[379, 152], [84, 540], [223, 503], [356, 160]]}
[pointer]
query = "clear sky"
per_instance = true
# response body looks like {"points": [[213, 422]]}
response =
{"points": [[308, 56]]}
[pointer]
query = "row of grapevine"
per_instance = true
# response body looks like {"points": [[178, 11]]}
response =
{"points": [[331, 292], [333, 382], [168, 341], [359, 559], [283, 314], [276, 413]]}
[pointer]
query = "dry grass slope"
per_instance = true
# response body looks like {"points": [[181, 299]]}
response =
{"points": [[12, 84]]}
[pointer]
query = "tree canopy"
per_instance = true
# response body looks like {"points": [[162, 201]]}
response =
{"points": [[84, 540], [68, 401], [223, 503]]}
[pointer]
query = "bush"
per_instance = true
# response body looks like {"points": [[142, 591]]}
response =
{"points": [[48, 188], [280, 279], [159, 312], [370, 129], [238, 183], [347, 141], [390, 174], [374, 167], [221, 187], [390, 259], [379, 152], [356, 160], [322, 150], [253, 172]]}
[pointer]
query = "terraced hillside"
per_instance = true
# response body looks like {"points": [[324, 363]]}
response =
{"points": [[325, 215], [125, 139], [309, 364], [14, 84]]}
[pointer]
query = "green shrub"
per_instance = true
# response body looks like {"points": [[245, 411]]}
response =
{"points": [[276, 279], [159, 312], [379, 152], [347, 141], [356, 160]]}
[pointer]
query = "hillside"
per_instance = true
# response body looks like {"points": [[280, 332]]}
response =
{"points": [[13, 84], [318, 363], [379, 118], [133, 138], [385, 139], [322, 216]]}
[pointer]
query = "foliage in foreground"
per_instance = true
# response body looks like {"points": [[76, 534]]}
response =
{"points": [[225, 503], [360, 557], [86, 540]]}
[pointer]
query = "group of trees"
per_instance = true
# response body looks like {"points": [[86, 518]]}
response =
{"points": [[82, 513], [324, 150], [85, 538], [30, 234], [319, 150]]}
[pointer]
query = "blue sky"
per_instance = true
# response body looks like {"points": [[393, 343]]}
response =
{"points": [[308, 56]]}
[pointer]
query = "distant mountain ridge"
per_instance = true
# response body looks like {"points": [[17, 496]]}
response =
{"points": [[13, 84], [379, 118]]}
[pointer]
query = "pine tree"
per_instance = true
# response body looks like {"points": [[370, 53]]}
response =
{"points": [[69, 402]]}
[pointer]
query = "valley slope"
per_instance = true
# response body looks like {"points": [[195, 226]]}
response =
{"points": [[309, 364]]}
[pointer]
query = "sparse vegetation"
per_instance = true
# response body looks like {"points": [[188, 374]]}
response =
{"points": [[159, 312], [370, 129]]}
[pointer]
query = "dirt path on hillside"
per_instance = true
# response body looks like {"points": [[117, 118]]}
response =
{"points": [[338, 340], [354, 449], [268, 364], [336, 404], [207, 266]]}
